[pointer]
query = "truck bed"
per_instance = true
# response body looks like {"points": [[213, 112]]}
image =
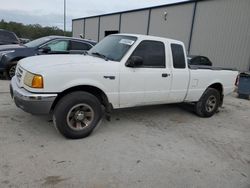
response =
{"points": [[194, 67]]}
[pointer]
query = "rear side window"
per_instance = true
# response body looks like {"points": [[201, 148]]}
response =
{"points": [[79, 46], [178, 56], [204, 61], [152, 53]]}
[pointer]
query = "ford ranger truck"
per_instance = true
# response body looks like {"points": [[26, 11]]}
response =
{"points": [[123, 70]]}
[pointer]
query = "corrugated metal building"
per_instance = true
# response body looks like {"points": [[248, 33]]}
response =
{"points": [[219, 29]]}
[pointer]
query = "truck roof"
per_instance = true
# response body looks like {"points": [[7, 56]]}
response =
{"points": [[150, 37]]}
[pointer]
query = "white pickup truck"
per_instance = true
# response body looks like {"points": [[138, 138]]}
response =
{"points": [[121, 71]]}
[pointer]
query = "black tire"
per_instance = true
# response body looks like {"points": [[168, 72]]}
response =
{"points": [[10, 72], [66, 114], [204, 107]]}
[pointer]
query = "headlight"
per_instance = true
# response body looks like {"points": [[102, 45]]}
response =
{"points": [[33, 80], [6, 52]]}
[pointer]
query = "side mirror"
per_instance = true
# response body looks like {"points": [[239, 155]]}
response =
{"points": [[134, 61], [45, 49]]}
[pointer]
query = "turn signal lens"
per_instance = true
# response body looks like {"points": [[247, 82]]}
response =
{"points": [[37, 81], [33, 80]]}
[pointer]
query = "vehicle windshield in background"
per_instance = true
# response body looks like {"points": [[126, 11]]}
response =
{"points": [[8, 37], [37, 42], [113, 47], [199, 60]]}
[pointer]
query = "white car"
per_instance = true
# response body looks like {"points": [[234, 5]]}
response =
{"points": [[123, 70]]}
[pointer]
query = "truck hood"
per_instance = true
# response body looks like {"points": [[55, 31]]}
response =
{"points": [[73, 63]]}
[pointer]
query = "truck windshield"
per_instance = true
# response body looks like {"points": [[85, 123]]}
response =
{"points": [[113, 47]]}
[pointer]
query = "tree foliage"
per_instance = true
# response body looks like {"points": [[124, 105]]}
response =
{"points": [[31, 31]]}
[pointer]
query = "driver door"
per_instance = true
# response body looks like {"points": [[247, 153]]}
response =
{"points": [[148, 83]]}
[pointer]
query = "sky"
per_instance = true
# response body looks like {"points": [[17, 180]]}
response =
{"points": [[50, 12]]}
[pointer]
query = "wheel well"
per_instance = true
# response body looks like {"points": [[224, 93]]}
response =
{"points": [[98, 93], [218, 87], [17, 58], [14, 60]]}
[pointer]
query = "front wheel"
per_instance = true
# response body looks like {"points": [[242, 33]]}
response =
{"points": [[10, 72], [77, 114], [209, 103]]}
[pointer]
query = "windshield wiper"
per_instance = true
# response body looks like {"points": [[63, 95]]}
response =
{"points": [[101, 55]]}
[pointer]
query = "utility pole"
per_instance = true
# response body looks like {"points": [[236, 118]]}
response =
{"points": [[64, 17]]}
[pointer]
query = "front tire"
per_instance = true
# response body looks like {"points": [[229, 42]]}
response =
{"points": [[77, 114], [209, 103], [11, 71]]}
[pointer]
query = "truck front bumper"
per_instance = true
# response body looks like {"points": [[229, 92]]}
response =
{"points": [[31, 102]]}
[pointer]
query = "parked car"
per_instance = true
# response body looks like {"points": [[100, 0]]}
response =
{"points": [[11, 54], [120, 71], [199, 60], [8, 37]]}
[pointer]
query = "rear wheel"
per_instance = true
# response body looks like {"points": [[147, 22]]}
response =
{"points": [[77, 114], [209, 103]]}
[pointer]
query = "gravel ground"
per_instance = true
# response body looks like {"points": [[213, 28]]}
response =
{"points": [[157, 146]]}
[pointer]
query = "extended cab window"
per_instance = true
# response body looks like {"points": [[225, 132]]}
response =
{"points": [[152, 53], [79, 46], [178, 56]]}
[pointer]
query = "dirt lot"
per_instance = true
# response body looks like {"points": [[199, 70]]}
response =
{"points": [[158, 146]]}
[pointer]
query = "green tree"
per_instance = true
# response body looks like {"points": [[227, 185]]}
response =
{"points": [[31, 31]]}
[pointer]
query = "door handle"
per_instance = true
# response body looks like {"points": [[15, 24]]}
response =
{"points": [[109, 77], [164, 75]]}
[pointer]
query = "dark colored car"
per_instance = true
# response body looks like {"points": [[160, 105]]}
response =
{"points": [[198, 60], [11, 54], [8, 37]]}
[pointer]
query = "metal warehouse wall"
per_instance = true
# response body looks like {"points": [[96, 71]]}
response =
{"points": [[77, 27], [109, 23], [92, 28], [134, 22], [222, 32], [176, 24], [219, 29]]}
